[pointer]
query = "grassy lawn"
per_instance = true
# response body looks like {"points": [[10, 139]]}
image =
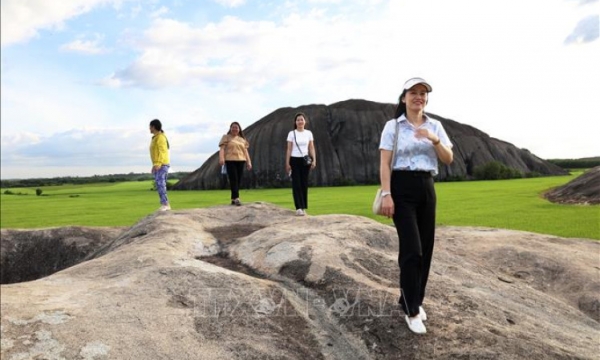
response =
{"points": [[511, 204]]}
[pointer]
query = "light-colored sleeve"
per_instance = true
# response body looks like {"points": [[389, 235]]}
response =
{"points": [[290, 137], [387, 136], [310, 136], [441, 133], [247, 144], [224, 141]]}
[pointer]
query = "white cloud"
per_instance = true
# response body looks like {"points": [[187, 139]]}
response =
{"points": [[105, 147], [230, 3], [160, 12], [244, 54], [80, 152], [45, 99], [112, 82], [585, 2], [586, 31], [22, 19], [325, 1], [342, 51], [89, 47]]}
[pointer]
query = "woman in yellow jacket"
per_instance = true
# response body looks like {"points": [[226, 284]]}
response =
{"points": [[159, 153]]}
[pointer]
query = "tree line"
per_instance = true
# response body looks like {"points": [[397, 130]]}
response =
{"points": [[585, 163], [80, 180], [491, 171]]}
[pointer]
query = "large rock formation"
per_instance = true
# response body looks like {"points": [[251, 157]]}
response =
{"points": [[347, 138], [256, 282], [584, 189], [31, 254]]}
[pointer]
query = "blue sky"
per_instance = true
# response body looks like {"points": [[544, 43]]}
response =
{"points": [[81, 79]]}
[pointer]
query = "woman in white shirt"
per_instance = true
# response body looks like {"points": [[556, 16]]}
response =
{"points": [[409, 195], [300, 144]]}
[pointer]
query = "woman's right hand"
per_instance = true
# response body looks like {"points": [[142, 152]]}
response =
{"points": [[221, 162], [387, 206]]}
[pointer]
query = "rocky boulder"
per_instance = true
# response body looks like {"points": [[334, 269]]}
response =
{"points": [[347, 136], [32, 254], [585, 189], [256, 282]]}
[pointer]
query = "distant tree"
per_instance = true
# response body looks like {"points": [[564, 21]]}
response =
{"points": [[112, 178], [576, 163], [38, 192]]}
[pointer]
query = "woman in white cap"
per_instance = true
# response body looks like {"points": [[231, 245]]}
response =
{"points": [[409, 194]]}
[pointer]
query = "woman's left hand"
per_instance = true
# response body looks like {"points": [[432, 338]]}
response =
{"points": [[249, 166], [313, 165]]}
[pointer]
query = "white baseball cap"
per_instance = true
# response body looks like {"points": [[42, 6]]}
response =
{"points": [[414, 81]]}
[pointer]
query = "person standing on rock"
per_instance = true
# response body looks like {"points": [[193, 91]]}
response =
{"points": [[233, 153], [159, 154], [300, 148], [409, 194]]}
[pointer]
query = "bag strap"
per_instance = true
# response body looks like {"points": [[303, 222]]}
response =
{"points": [[395, 146], [298, 146]]}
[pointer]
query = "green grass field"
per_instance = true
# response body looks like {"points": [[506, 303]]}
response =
{"points": [[510, 204]]}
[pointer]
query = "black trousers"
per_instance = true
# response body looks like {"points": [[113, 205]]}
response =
{"points": [[235, 170], [414, 218], [299, 182]]}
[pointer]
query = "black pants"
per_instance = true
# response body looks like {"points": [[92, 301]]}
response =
{"points": [[414, 217], [235, 170], [299, 182]]}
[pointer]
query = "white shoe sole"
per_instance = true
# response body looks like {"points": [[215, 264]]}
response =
{"points": [[416, 326]]}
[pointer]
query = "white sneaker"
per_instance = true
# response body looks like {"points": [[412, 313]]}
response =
{"points": [[299, 212], [304, 212], [415, 325], [164, 208], [422, 314]]}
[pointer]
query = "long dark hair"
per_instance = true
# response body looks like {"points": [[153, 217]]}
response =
{"points": [[401, 108], [157, 125], [296, 117], [241, 133]]}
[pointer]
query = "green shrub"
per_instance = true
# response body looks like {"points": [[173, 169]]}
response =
{"points": [[38, 191], [495, 170]]}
